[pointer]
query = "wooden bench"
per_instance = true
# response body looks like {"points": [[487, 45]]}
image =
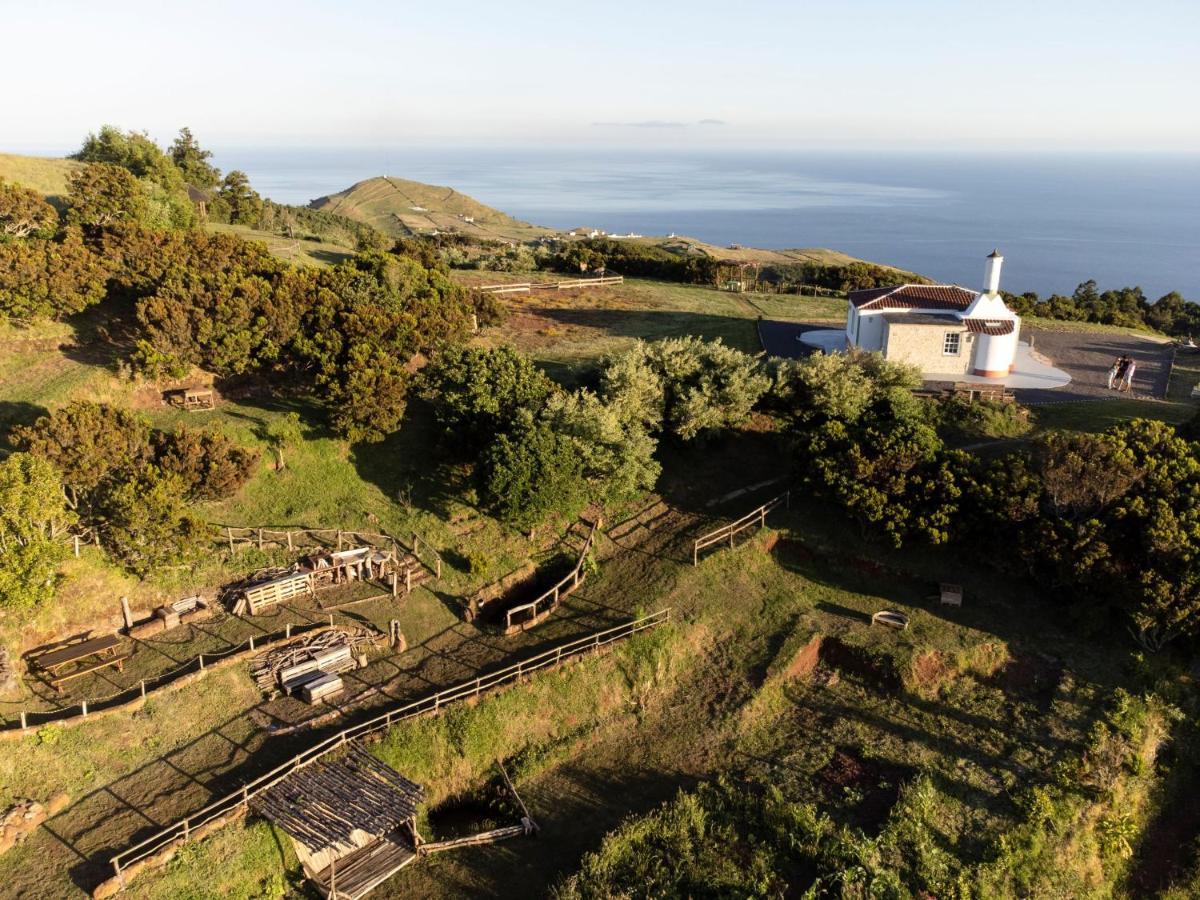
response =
{"points": [[119, 661]]}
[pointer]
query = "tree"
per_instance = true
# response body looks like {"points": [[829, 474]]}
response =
{"points": [[193, 161], [147, 524], [33, 516], [703, 386], [281, 434], [50, 279], [166, 200], [531, 474], [88, 443], [209, 465], [479, 393], [25, 213], [103, 194], [615, 451], [245, 205]]}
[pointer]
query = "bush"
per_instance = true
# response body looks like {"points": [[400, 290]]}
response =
{"points": [[532, 473]]}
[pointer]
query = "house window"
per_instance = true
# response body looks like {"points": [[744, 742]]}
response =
{"points": [[951, 343]]}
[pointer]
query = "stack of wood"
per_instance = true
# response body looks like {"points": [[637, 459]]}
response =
{"points": [[329, 651], [172, 615]]}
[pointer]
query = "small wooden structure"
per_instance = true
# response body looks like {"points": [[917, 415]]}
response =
{"points": [[256, 598], [353, 821], [951, 594], [103, 647], [193, 398], [339, 566], [891, 618]]}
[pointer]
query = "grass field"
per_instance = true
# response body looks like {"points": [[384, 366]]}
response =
{"points": [[569, 330], [45, 175], [1097, 415], [293, 250]]}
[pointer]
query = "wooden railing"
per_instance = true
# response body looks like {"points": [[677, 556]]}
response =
{"points": [[524, 287], [549, 600], [727, 532], [186, 827]]}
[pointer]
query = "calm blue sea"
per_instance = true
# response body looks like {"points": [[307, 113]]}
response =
{"points": [[1057, 220]]}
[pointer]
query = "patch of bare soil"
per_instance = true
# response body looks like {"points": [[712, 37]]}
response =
{"points": [[1032, 677], [867, 788], [856, 661]]}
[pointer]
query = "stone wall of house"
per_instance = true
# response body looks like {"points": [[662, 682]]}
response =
{"points": [[921, 345]]}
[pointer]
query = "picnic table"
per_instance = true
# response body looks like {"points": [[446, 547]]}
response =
{"points": [[103, 647], [54, 660]]}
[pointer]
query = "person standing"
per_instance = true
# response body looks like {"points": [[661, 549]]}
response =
{"points": [[1114, 371], [1127, 383]]}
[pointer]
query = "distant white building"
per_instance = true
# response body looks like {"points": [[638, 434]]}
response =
{"points": [[941, 328]]}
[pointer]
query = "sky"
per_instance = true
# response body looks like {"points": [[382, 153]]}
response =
{"points": [[1053, 75]]}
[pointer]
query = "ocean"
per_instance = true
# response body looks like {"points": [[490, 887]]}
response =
{"points": [[1058, 220]]}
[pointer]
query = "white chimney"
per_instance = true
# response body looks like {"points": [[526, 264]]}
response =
{"points": [[991, 273]]}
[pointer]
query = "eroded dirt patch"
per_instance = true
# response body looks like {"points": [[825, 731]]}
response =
{"points": [[866, 788], [1032, 677]]}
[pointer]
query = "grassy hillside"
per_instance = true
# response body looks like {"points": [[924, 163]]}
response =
{"points": [[43, 174], [400, 207]]}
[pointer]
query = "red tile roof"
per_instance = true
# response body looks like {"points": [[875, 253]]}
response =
{"points": [[984, 326], [914, 296]]}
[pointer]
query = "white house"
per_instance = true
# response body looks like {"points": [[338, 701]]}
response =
{"points": [[941, 328]]}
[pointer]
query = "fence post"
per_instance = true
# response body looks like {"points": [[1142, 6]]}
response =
{"points": [[23, 725], [695, 553], [252, 643], [120, 875], [331, 620], [201, 658], [395, 584], [287, 631], [438, 560], [187, 829], [143, 686], [260, 539], [339, 538], [730, 538], [289, 534], [75, 539], [83, 706], [229, 532]]}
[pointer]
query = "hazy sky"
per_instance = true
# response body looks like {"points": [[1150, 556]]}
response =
{"points": [[1053, 74]]}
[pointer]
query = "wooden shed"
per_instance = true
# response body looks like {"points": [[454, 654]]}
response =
{"points": [[352, 820]]}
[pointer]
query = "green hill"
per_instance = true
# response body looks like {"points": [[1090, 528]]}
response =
{"points": [[46, 175], [400, 207]]}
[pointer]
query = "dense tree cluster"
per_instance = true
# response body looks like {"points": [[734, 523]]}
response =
{"points": [[540, 450], [1128, 307], [164, 201], [1108, 521], [130, 483]]}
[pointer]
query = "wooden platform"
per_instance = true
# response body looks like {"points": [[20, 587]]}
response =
{"points": [[358, 873]]}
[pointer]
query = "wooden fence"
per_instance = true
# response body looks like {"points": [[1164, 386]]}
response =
{"points": [[203, 662], [525, 287], [549, 600], [186, 827], [727, 532], [299, 538]]}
